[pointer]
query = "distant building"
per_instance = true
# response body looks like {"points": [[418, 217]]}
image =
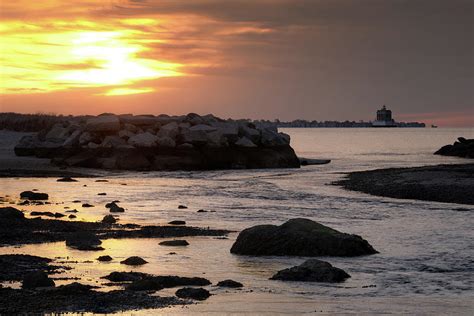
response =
{"points": [[384, 118]]}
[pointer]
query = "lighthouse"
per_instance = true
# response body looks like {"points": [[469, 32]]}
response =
{"points": [[384, 118]]}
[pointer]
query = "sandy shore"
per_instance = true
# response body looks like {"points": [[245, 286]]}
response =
{"points": [[442, 183]]}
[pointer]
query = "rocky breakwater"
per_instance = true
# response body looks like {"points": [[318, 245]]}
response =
{"points": [[146, 142]]}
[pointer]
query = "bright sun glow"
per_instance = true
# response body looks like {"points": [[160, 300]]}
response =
{"points": [[34, 60]]}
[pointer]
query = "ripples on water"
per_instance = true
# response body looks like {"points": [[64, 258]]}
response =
{"points": [[426, 258]]}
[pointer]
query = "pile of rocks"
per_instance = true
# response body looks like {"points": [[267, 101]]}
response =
{"points": [[461, 148], [146, 142]]}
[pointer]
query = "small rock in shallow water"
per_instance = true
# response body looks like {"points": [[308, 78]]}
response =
{"points": [[109, 219], [202, 211], [66, 179], [102, 193], [312, 270], [134, 261], [177, 222], [87, 205], [230, 283], [199, 294], [101, 180], [114, 208], [104, 258], [182, 206], [72, 216], [37, 279], [177, 242], [30, 195]]}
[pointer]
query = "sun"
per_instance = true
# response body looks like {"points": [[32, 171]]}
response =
{"points": [[115, 59], [35, 60]]}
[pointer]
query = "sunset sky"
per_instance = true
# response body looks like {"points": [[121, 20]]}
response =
{"points": [[286, 59]]}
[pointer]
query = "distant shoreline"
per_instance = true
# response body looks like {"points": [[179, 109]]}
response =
{"points": [[440, 183]]}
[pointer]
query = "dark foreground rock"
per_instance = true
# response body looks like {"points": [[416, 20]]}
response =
{"points": [[147, 282], [30, 195], [10, 213], [299, 237], [312, 270], [77, 298], [174, 243], [16, 267], [105, 258], [134, 261], [37, 279], [230, 283], [189, 142], [17, 230], [442, 183], [199, 294], [461, 148]]}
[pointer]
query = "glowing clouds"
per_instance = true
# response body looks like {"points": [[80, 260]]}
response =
{"points": [[34, 59]]}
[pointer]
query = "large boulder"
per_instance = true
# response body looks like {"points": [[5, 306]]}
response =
{"points": [[134, 261], [103, 123], [58, 133], [230, 130], [216, 139], [272, 139], [199, 294], [30, 195], [299, 237], [461, 148], [26, 146], [245, 142], [37, 279], [143, 140], [85, 138], [246, 130], [165, 142], [312, 270], [10, 213], [73, 139], [170, 130], [202, 127], [139, 120], [112, 141]]}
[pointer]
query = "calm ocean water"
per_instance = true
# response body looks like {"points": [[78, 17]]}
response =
{"points": [[426, 259]]}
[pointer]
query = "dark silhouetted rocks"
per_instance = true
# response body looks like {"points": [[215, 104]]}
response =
{"points": [[230, 284], [299, 237], [461, 148], [10, 213], [104, 258], [30, 195], [174, 243], [109, 219], [134, 261], [66, 179], [199, 294], [36, 279], [177, 222], [312, 270]]}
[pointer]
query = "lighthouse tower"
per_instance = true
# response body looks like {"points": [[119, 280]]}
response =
{"points": [[384, 118]]}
